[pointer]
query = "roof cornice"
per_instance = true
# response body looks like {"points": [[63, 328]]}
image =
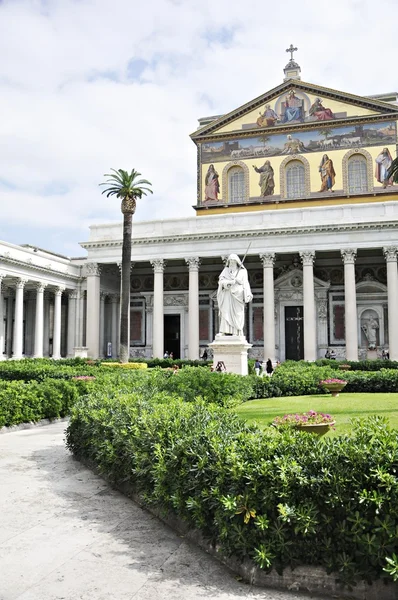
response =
{"points": [[32, 267]]}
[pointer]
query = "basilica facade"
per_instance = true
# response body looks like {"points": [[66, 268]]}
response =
{"points": [[296, 180]]}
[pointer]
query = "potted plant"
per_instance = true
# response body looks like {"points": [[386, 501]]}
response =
{"points": [[334, 386], [311, 421]]}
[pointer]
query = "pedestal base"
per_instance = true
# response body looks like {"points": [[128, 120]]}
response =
{"points": [[232, 351], [371, 354], [80, 351]]}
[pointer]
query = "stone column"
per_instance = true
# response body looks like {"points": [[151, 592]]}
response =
{"points": [[2, 356], [57, 322], [193, 307], [46, 324], [390, 254], [310, 349], [268, 260], [39, 321], [350, 303], [158, 265], [17, 344], [114, 323], [93, 272], [102, 325], [72, 322]]}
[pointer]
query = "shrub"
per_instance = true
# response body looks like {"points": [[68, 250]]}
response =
{"points": [[279, 498], [129, 365]]}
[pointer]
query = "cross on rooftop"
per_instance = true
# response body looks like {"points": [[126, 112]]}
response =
{"points": [[291, 50]]}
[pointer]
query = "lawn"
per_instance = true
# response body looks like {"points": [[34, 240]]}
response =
{"points": [[344, 407]]}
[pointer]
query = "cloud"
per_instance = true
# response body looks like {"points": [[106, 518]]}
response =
{"points": [[92, 84]]}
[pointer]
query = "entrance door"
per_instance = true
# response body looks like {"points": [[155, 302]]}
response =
{"points": [[172, 335], [294, 332]]}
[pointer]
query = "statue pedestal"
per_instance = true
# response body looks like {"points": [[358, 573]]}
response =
{"points": [[232, 351], [371, 355]]}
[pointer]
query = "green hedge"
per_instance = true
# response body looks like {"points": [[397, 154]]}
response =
{"points": [[279, 498]]}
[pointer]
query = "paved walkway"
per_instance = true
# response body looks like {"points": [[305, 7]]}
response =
{"points": [[66, 535]]}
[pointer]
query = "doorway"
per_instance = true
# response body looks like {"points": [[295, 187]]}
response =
{"points": [[172, 335], [294, 332]]}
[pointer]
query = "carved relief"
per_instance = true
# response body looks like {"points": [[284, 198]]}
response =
{"points": [[180, 300], [322, 310]]}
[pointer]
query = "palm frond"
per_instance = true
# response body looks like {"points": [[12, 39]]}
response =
{"points": [[393, 171], [122, 184]]}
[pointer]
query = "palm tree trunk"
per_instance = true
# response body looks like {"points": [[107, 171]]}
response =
{"points": [[125, 293]]}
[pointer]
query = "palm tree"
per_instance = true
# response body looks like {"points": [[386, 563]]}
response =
{"points": [[126, 186], [393, 171]]}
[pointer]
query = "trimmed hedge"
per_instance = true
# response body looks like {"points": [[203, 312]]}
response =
{"points": [[280, 498]]}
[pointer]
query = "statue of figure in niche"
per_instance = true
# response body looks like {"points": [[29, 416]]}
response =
{"points": [[268, 118], [232, 295], [266, 183], [212, 185], [327, 174], [383, 163], [370, 327], [320, 112], [292, 108]]}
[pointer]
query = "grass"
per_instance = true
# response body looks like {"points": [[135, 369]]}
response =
{"points": [[344, 407]]}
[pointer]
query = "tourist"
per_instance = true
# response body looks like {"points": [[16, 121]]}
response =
{"points": [[327, 353], [220, 367], [269, 369], [171, 355], [166, 354], [175, 369], [257, 367], [333, 355], [204, 355]]}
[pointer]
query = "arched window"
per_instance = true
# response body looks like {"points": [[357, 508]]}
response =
{"points": [[357, 174], [236, 185], [295, 179]]}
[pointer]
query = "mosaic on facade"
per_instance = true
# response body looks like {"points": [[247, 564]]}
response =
{"points": [[315, 140]]}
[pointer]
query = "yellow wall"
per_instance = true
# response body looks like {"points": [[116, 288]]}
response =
{"points": [[334, 105], [313, 158]]}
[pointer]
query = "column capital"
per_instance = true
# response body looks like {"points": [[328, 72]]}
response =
{"points": [[40, 286], [390, 253], [307, 257], [59, 291], [348, 255], [103, 296], [193, 263], [158, 265], [73, 295], [21, 283], [2, 276], [114, 298], [92, 269], [268, 259]]}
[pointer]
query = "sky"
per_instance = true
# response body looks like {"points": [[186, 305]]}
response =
{"points": [[89, 85]]}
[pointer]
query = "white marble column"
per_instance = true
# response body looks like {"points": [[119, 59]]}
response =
{"points": [[114, 323], [57, 322], [72, 323], [2, 340], [102, 325], [93, 273], [39, 320], [350, 304], [268, 260], [17, 344], [310, 350], [46, 324], [193, 263], [158, 265], [390, 254]]}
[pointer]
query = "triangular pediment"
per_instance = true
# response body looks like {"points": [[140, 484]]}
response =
{"points": [[293, 279], [296, 103]]}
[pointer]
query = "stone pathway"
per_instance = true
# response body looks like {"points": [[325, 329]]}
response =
{"points": [[66, 535]]}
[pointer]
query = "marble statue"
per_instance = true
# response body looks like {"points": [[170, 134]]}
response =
{"points": [[370, 328], [232, 295]]}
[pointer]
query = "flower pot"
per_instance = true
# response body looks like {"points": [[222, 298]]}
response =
{"points": [[334, 388], [317, 428]]}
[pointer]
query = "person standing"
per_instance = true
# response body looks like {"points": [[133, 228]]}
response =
{"points": [[266, 183], [383, 163], [269, 368], [257, 367], [232, 295], [212, 185], [327, 174]]}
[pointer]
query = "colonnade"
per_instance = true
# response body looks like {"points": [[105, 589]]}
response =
{"points": [[268, 260]]}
